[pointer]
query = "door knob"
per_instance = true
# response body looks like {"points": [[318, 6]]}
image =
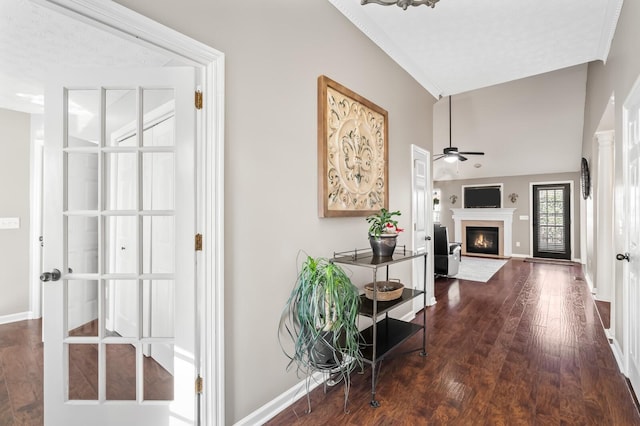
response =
{"points": [[428, 238], [621, 256], [50, 276]]}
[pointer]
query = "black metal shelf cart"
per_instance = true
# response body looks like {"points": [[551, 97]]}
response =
{"points": [[385, 335]]}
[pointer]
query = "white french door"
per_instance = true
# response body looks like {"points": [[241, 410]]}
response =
{"points": [[119, 324], [631, 271]]}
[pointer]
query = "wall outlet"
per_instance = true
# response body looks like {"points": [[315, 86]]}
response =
{"points": [[517, 243], [9, 222]]}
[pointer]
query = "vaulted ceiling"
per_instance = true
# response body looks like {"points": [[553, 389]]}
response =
{"points": [[517, 69], [463, 45]]}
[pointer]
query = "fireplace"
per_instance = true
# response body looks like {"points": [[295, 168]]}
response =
{"points": [[483, 240], [499, 218]]}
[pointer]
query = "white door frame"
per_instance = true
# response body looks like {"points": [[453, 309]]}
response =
{"points": [[431, 299], [35, 232], [209, 65], [623, 245]]}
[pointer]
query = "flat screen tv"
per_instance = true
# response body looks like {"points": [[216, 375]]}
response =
{"points": [[482, 197]]}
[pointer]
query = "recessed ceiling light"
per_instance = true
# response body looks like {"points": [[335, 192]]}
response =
{"points": [[477, 165]]}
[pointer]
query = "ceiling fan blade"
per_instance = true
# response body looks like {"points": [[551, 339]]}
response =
{"points": [[471, 153], [437, 157], [462, 158]]}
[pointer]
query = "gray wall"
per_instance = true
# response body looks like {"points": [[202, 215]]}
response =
{"points": [[528, 126], [275, 51], [14, 196], [521, 186], [616, 77]]}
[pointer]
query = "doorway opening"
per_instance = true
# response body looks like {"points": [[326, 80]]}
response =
{"points": [[209, 66]]}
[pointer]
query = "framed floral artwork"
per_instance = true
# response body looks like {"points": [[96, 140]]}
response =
{"points": [[352, 153]]}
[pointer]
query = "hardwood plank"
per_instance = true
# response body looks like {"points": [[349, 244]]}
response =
{"points": [[604, 311], [21, 374], [6, 410]]}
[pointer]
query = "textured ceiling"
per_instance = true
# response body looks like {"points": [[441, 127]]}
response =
{"points": [[35, 42], [462, 45]]}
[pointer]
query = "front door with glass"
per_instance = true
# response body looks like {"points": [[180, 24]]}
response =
{"points": [[552, 221]]}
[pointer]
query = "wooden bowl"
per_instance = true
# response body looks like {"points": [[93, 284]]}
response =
{"points": [[387, 290]]}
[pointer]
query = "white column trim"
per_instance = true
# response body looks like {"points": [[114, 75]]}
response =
{"points": [[604, 216]]}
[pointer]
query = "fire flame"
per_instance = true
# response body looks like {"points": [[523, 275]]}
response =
{"points": [[482, 242]]}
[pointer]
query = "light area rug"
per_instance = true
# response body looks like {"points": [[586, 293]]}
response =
{"points": [[478, 268]]}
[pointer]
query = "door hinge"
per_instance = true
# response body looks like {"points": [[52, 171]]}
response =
{"points": [[198, 99], [198, 242], [199, 385]]}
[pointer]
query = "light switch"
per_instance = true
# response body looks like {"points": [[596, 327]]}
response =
{"points": [[524, 217], [9, 222]]}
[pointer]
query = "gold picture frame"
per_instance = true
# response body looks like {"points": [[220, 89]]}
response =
{"points": [[353, 165]]}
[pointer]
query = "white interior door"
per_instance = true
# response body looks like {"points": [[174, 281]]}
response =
{"points": [[422, 223], [631, 273], [133, 218]]}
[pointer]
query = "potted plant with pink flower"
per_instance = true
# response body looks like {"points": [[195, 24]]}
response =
{"points": [[383, 232]]}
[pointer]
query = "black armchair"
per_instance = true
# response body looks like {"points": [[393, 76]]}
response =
{"points": [[446, 255]]}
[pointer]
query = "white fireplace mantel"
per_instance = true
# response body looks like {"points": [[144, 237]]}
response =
{"points": [[486, 214]]}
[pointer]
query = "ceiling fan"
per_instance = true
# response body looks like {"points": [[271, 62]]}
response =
{"points": [[451, 154]]}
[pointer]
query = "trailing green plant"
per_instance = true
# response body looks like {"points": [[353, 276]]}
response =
{"points": [[383, 223], [320, 319]]}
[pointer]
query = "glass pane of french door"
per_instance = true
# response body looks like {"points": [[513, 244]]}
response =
{"points": [[120, 234]]}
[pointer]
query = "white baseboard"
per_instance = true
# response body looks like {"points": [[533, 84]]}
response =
{"points": [[408, 317], [618, 355], [587, 278], [20, 316], [432, 301], [520, 256], [275, 406]]}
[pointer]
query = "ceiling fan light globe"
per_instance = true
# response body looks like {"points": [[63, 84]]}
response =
{"points": [[450, 158]]}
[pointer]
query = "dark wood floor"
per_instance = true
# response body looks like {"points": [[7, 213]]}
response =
{"points": [[526, 348], [604, 309], [21, 373]]}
